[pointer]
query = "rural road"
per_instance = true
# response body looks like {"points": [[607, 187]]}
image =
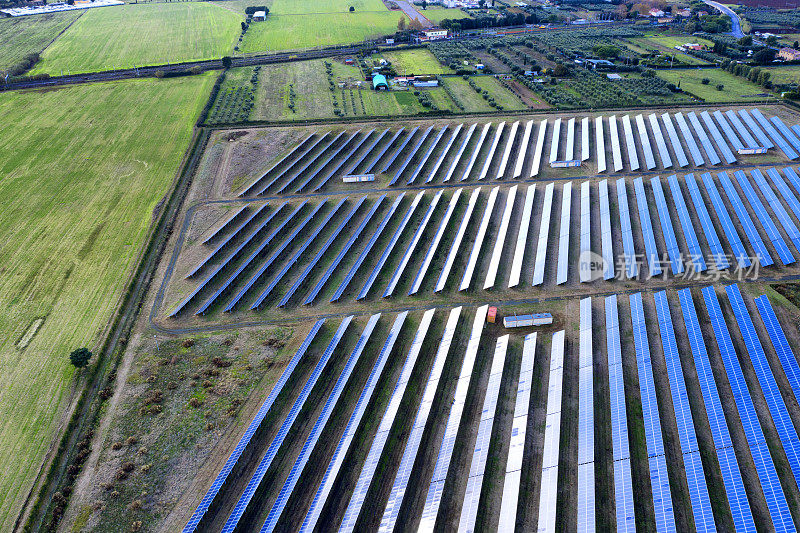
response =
{"points": [[412, 13], [736, 24]]}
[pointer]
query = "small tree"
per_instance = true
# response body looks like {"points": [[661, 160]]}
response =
{"points": [[80, 357], [401, 24], [352, 9], [227, 61], [705, 81], [720, 87]]}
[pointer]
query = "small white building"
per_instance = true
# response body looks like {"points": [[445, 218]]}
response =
{"points": [[434, 34], [260, 15]]}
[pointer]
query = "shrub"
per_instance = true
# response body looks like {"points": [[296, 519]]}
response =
{"points": [[720, 87], [80, 357], [705, 81]]}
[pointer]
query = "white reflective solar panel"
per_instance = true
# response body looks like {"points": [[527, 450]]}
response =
{"points": [[321, 495], [523, 149], [544, 232], [409, 253], [411, 450], [663, 152], [519, 425], [586, 485], [488, 161], [522, 238], [500, 240], [512, 136], [434, 493], [444, 153], [555, 140], [537, 153], [569, 153], [476, 247], [435, 244], [729, 133], [629, 255], [613, 132], [585, 139], [630, 144], [476, 150], [427, 155], [383, 151], [647, 149], [584, 267], [711, 155], [552, 435], [674, 140], [600, 144], [563, 240], [469, 508], [605, 231], [694, 150], [462, 228]]}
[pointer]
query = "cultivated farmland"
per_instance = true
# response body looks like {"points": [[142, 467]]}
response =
{"points": [[83, 169], [146, 34], [30, 35]]}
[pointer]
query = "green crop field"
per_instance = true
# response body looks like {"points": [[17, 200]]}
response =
{"points": [[30, 35], [290, 32], [147, 34], [503, 96], [83, 168], [419, 61], [736, 89], [466, 95]]}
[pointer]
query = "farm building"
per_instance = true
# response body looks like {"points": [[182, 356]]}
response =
{"points": [[259, 15], [379, 82]]}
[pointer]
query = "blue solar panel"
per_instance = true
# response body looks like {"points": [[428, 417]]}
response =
{"points": [[606, 243], [731, 234], [777, 207], [744, 219], [705, 221], [255, 424], [785, 147], [335, 464], [233, 254], [726, 152], [770, 484], [663, 151], [367, 151], [631, 264], [712, 156], [273, 167], [476, 150], [322, 420], [763, 217], [390, 161], [427, 155], [434, 246], [367, 249], [383, 151], [460, 152], [653, 259], [390, 247], [659, 480], [698, 491], [411, 155], [346, 248], [693, 244], [300, 158], [277, 441], [649, 158], [320, 253], [785, 191], [793, 178], [675, 141], [694, 150], [729, 133], [666, 227], [780, 343], [748, 139], [336, 168], [777, 407], [760, 135], [322, 165], [444, 153], [729, 467], [225, 225], [630, 144]]}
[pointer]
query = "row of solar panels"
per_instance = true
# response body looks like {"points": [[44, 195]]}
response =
{"points": [[251, 229], [412, 157]]}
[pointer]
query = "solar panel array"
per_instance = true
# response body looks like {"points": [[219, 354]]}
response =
{"points": [[692, 242], [544, 232], [512, 135], [731, 233], [649, 158], [615, 143], [693, 465], [711, 154], [569, 153], [555, 140], [659, 480], [623, 482], [586, 234], [516, 448], [476, 150], [563, 239], [767, 474], [646, 225], [586, 484], [444, 153], [321, 495], [462, 147], [435, 243], [773, 234], [777, 207], [469, 508], [537, 153], [433, 498], [780, 343], [666, 227], [523, 149], [522, 237], [387, 421], [498, 133], [412, 447], [630, 144], [277, 441], [765, 259], [552, 436], [456, 245], [712, 238], [600, 144], [500, 240], [466, 279], [629, 255], [585, 146], [606, 244]]}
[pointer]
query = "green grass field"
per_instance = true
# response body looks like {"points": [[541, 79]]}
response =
{"points": [[736, 89], [787, 74], [438, 14], [83, 168], [418, 61], [290, 7], [469, 98], [645, 44], [147, 34], [502, 96], [291, 32], [28, 35]]}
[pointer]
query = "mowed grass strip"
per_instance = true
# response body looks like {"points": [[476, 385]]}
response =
{"points": [[293, 32], [30, 35], [83, 168], [304, 7], [735, 89], [148, 34]]}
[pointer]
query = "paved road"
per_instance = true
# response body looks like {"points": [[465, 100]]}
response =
{"points": [[411, 11], [736, 25]]}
